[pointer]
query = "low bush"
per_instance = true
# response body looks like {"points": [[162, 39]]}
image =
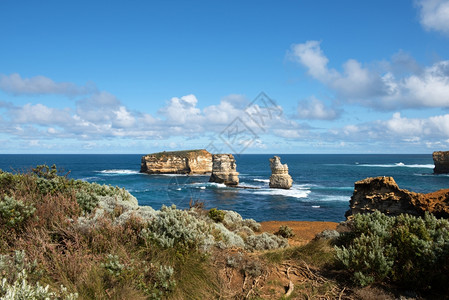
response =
{"points": [[265, 241], [14, 213], [285, 232], [412, 252], [216, 215], [177, 228]]}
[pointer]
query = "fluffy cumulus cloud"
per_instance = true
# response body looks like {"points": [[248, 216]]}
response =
{"points": [[41, 85], [101, 115], [397, 130], [182, 110], [400, 84], [314, 109], [434, 15]]}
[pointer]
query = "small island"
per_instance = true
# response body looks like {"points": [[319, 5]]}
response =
{"points": [[177, 162]]}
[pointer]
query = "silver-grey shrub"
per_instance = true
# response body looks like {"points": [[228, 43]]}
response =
{"points": [[172, 227], [265, 241]]}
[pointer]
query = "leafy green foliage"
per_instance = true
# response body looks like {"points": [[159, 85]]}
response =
{"points": [[412, 252], [285, 232], [265, 241], [216, 215], [177, 228], [14, 282], [87, 201], [14, 213]]}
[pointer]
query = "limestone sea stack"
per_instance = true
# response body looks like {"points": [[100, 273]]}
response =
{"points": [[441, 162], [384, 195], [224, 170], [279, 179], [177, 162]]}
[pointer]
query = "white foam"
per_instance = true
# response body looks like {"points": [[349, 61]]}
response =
{"points": [[316, 206], [262, 180], [204, 185], [335, 198], [399, 164], [244, 184], [119, 172], [294, 192]]}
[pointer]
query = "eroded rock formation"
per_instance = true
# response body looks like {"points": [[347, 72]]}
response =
{"points": [[384, 195], [441, 161], [224, 169], [279, 179], [177, 162]]}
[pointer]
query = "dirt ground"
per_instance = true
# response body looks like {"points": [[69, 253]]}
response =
{"points": [[250, 277], [304, 231]]}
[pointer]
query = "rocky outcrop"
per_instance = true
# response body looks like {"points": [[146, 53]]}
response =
{"points": [[441, 161], [384, 195], [177, 162], [224, 169], [279, 179]]}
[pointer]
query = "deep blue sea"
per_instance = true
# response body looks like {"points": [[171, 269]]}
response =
{"points": [[323, 184]]}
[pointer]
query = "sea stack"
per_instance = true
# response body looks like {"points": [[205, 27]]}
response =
{"points": [[441, 161], [224, 170], [279, 179], [177, 162]]}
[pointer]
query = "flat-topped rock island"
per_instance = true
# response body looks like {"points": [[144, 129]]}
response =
{"points": [[177, 162]]}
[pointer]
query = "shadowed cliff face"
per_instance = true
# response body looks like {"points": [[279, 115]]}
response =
{"points": [[441, 161], [177, 162], [224, 170], [384, 195]]}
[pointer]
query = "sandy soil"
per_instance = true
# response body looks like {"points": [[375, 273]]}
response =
{"points": [[304, 231]]}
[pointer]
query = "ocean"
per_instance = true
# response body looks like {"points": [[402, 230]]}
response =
{"points": [[323, 183]]}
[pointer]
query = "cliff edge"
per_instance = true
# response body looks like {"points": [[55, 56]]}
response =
{"points": [[441, 161], [384, 195], [177, 162]]}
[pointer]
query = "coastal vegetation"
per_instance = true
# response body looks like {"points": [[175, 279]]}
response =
{"points": [[69, 239]]}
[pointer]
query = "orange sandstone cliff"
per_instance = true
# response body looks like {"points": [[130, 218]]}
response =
{"points": [[177, 162], [384, 195]]}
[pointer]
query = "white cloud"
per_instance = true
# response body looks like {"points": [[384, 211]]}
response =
{"points": [[39, 114], [312, 57], [397, 130], [41, 85], [426, 87], [434, 14], [182, 110], [315, 109]]}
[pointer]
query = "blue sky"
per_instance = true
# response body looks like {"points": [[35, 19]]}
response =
{"points": [[146, 76]]}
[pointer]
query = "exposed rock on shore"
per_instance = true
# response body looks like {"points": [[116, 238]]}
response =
{"points": [[441, 161], [224, 169], [279, 179], [177, 162], [384, 195]]}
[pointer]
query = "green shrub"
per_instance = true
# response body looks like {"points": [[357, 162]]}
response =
{"points": [[44, 171], [14, 282], [265, 241], [14, 213], [412, 252], [164, 279], [216, 215], [177, 228], [113, 265], [87, 201], [285, 232]]}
